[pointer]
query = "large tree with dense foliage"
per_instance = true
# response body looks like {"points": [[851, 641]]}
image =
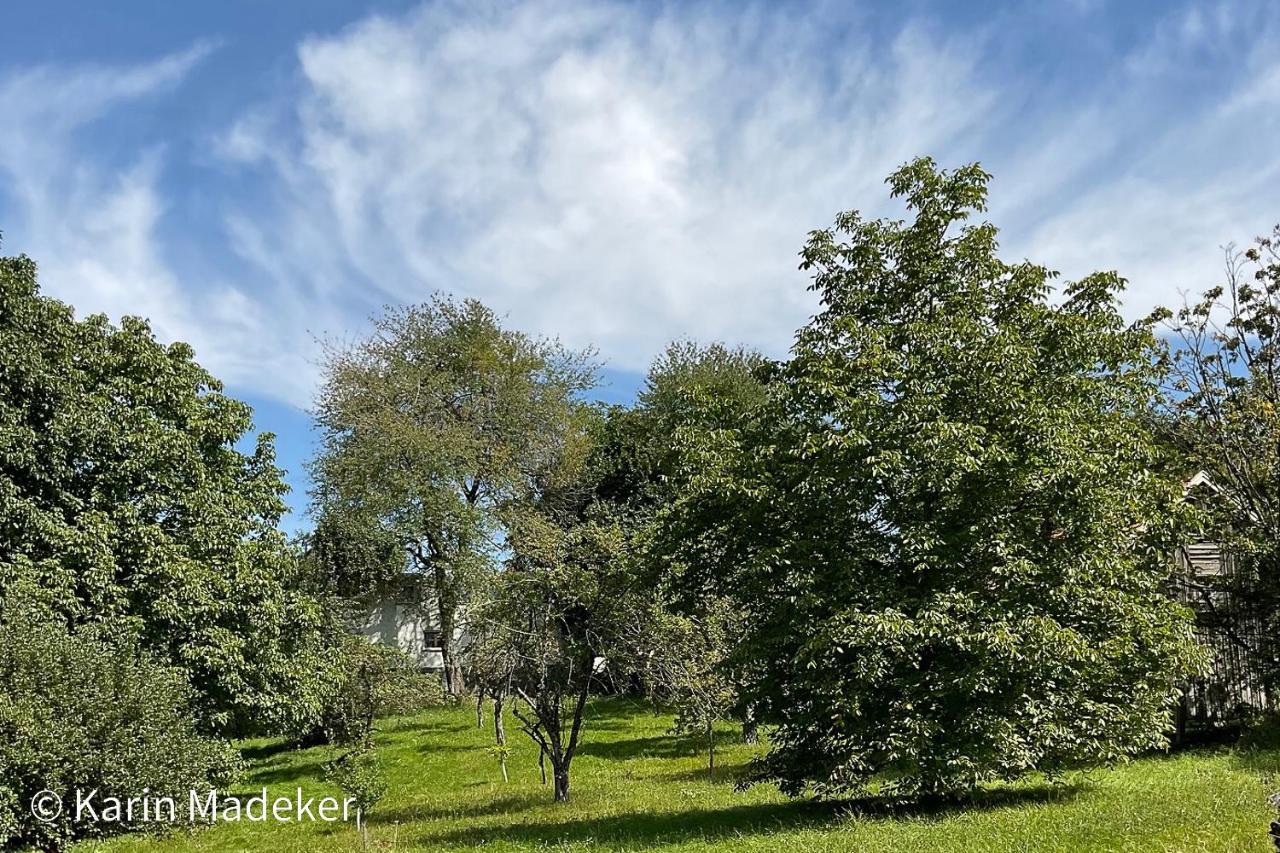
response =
{"points": [[431, 427], [949, 524], [125, 499], [88, 709]]}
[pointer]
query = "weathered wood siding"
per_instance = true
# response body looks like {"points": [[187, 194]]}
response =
{"points": [[1233, 683]]}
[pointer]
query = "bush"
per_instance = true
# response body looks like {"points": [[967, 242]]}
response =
{"points": [[371, 681], [360, 776], [84, 711]]}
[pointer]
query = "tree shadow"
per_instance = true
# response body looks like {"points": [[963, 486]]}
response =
{"points": [[1198, 740], [438, 748], [271, 775], [420, 726], [1265, 762], [726, 774], [411, 813], [657, 746], [646, 829], [268, 750]]}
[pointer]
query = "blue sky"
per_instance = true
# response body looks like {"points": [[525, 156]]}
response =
{"points": [[255, 176]]}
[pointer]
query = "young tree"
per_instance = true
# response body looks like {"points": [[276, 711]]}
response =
{"points": [[1223, 411], [692, 671], [949, 526], [691, 395], [431, 426], [127, 502], [570, 602]]}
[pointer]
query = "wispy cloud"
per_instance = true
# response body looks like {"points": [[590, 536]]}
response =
{"points": [[90, 228], [621, 175], [596, 172], [93, 225], [621, 178]]}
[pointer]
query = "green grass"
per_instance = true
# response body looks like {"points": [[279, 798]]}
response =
{"points": [[637, 788]]}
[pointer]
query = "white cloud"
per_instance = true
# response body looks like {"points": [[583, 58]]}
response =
{"points": [[620, 178], [623, 175], [94, 226], [90, 230], [611, 177], [1185, 173]]}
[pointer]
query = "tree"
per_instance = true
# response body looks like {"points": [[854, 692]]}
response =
{"points": [[949, 526], [570, 602], [1222, 410], [88, 709], [430, 427], [689, 388], [567, 608], [691, 671], [692, 394], [127, 503]]}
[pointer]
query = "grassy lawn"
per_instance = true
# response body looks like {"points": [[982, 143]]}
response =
{"points": [[636, 788]]}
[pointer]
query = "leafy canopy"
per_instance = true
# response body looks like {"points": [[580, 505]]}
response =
{"points": [[948, 525], [432, 428], [125, 499]]}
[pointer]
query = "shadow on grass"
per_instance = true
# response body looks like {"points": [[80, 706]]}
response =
{"points": [[658, 746], [287, 773], [1265, 762], [269, 750], [646, 829], [419, 726], [726, 774], [500, 805]]}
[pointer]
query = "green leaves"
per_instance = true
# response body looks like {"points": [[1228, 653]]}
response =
{"points": [[436, 430], [124, 499], [948, 517]]}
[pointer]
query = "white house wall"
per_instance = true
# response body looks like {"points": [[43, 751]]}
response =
{"points": [[405, 627]]}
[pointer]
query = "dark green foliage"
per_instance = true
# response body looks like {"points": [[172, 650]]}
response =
{"points": [[124, 499], [91, 710], [948, 524], [690, 390], [354, 557]]}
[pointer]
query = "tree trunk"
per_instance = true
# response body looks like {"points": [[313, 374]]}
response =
{"points": [[500, 735], [542, 764], [480, 710], [750, 727], [445, 604], [711, 751], [562, 784]]}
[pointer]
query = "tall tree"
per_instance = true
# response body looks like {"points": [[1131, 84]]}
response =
{"points": [[1223, 411], [949, 524], [430, 427], [693, 395], [126, 501]]}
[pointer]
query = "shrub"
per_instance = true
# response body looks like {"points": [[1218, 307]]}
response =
{"points": [[370, 681], [84, 711], [359, 774]]}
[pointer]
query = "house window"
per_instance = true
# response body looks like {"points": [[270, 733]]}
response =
{"points": [[432, 639]]}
